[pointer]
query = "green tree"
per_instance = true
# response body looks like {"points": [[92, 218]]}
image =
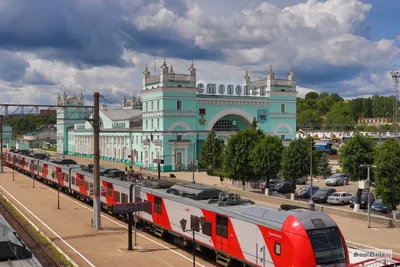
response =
{"points": [[323, 166], [296, 160], [311, 95], [358, 150], [211, 151], [254, 123], [386, 173], [309, 118], [339, 117], [236, 156], [265, 158]]}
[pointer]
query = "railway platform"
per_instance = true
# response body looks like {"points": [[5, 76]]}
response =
{"points": [[70, 229]]}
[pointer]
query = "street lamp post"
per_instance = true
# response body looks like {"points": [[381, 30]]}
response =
{"points": [[311, 203], [368, 184], [195, 226]]}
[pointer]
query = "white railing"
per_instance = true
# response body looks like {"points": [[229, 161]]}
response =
{"points": [[153, 79], [281, 82], [179, 77]]}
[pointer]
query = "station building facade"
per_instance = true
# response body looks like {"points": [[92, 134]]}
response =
{"points": [[172, 117]]}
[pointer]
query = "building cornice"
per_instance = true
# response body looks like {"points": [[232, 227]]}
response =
{"points": [[282, 115], [241, 102], [168, 113], [169, 89]]}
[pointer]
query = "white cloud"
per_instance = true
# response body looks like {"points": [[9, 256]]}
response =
{"points": [[322, 40]]}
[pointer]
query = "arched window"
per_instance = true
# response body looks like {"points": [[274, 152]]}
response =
{"points": [[225, 126]]}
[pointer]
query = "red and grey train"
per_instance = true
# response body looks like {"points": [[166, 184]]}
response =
{"points": [[254, 235]]}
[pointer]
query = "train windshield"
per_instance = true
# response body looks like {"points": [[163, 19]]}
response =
{"points": [[328, 246]]}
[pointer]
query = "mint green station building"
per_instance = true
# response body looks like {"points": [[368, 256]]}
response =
{"points": [[172, 117]]}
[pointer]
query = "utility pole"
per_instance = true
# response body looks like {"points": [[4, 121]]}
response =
{"points": [[194, 152], [96, 161], [1, 143]]}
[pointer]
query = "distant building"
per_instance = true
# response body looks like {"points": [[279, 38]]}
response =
{"points": [[36, 139], [67, 118], [375, 121]]}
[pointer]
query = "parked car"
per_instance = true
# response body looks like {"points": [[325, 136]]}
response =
{"points": [[322, 195], [106, 171], [379, 206], [339, 198], [284, 187], [337, 179], [263, 184], [304, 191], [302, 180], [364, 200]]}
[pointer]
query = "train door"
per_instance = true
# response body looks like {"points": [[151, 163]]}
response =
{"points": [[45, 170], [221, 233], [59, 176], [32, 167]]}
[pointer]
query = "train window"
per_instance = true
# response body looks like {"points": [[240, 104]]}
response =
{"points": [[194, 223], [157, 205], [117, 196], [109, 190], [138, 199], [91, 185], [87, 185], [73, 180], [82, 182], [124, 198], [207, 229], [40, 168], [277, 248], [222, 226]]}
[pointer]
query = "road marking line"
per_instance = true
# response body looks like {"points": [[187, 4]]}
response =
{"points": [[51, 230], [117, 223]]}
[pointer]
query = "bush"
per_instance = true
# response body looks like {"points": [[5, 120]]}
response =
{"points": [[214, 173]]}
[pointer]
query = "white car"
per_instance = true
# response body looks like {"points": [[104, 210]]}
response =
{"points": [[339, 198]]}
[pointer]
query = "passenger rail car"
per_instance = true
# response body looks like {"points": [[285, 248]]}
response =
{"points": [[234, 228]]}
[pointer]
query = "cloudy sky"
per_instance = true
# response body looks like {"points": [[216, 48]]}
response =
{"points": [[54, 46]]}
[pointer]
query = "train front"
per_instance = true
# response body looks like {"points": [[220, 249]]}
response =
{"points": [[316, 240]]}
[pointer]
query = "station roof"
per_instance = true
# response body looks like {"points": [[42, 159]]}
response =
{"points": [[122, 114]]}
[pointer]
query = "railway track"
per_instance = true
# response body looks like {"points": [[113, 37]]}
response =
{"points": [[41, 251]]}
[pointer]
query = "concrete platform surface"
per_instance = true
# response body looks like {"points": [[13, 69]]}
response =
{"points": [[355, 231], [70, 228]]}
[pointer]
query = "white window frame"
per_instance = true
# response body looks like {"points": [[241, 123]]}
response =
{"points": [[179, 158], [283, 108], [179, 105]]}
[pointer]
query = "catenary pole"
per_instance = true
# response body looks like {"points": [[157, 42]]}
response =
{"points": [[96, 162], [1, 143]]}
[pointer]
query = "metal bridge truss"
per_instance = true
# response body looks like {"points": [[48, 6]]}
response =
{"points": [[69, 112]]}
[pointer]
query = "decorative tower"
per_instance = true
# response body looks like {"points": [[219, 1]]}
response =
{"points": [[67, 117], [292, 78], [246, 78], [146, 74], [59, 100], [81, 99], [192, 73], [164, 73], [270, 74]]}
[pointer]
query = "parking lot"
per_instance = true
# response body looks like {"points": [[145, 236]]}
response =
{"points": [[320, 182]]}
